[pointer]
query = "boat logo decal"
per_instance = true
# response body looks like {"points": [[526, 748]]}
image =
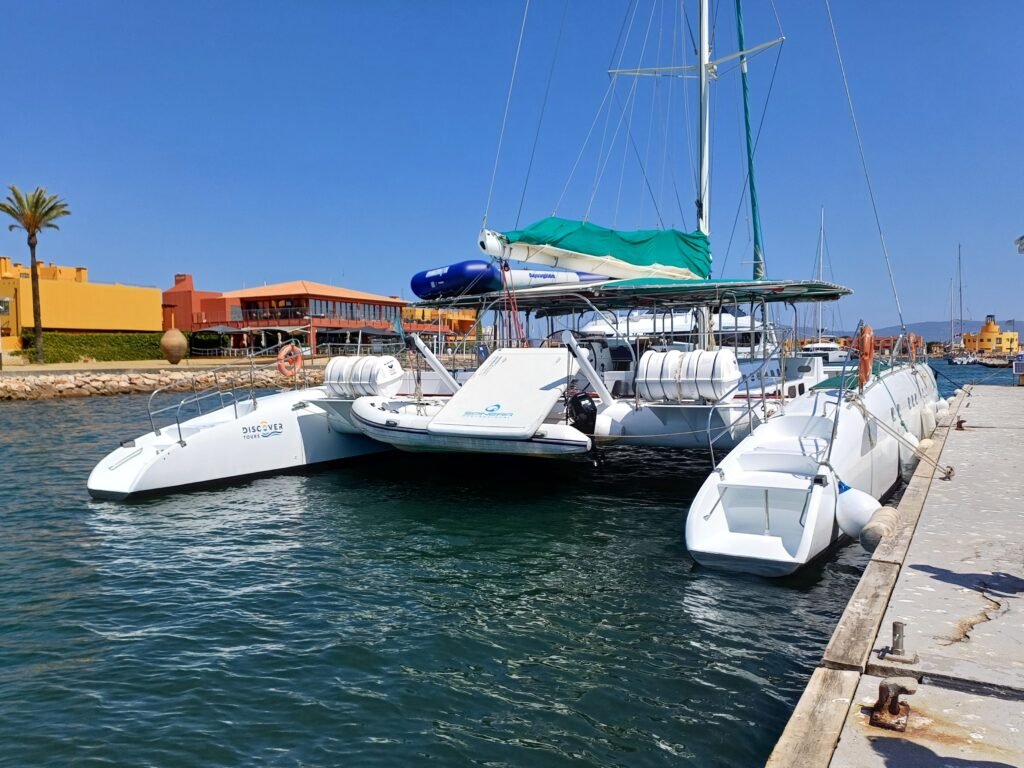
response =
{"points": [[488, 412], [261, 430]]}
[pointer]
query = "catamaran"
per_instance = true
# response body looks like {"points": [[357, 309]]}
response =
{"points": [[795, 486]]}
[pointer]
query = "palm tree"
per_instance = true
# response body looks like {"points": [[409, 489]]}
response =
{"points": [[33, 213]]}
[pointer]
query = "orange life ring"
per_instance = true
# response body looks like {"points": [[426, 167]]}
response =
{"points": [[866, 347], [289, 359]]}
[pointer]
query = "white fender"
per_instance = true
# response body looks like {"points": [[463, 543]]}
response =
{"points": [[908, 454], [923, 446], [927, 422], [854, 510], [884, 522]]}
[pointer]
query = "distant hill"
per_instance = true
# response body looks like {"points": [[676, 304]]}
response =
{"points": [[938, 330], [929, 330]]}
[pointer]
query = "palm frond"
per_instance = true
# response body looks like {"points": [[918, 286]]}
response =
{"points": [[34, 211]]}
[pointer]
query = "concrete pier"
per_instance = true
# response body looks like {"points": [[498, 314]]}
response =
{"points": [[954, 576]]}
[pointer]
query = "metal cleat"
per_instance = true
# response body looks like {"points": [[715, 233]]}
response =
{"points": [[889, 712], [897, 652]]}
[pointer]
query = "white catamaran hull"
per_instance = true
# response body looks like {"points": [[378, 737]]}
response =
{"points": [[280, 432], [678, 425], [776, 502]]}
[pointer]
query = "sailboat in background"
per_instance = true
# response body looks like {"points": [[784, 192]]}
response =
{"points": [[958, 353], [824, 346]]}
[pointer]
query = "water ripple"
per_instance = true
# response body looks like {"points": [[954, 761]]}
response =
{"points": [[395, 612]]}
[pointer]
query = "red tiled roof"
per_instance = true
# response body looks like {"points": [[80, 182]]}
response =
{"points": [[309, 288]]}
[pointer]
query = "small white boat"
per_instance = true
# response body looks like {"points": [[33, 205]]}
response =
{"points": [[405, 424], [828, 350], [964, 358], [787, 492], [516, 403]]}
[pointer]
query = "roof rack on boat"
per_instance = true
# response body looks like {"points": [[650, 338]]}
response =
{"points": [[659, 291]]}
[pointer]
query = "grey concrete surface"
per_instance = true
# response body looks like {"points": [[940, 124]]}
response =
{"points": [[946, 728], [961, 594]]}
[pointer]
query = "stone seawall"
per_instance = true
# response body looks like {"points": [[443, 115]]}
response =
{"points": [[90, 383]]}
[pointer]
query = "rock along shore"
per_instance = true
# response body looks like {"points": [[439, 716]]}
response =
{"points": [[89, 383]]}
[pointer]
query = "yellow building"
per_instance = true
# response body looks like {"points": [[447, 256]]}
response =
{"points": [[69, 302], [991, 340], [459, 321]]}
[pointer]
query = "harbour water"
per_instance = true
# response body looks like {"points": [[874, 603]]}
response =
{"points": [[400, 611]]}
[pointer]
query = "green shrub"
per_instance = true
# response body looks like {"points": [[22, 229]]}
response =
{"points": [[71, 347]]}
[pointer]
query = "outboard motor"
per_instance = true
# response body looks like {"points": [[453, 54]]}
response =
{"points": [[582, 412]]}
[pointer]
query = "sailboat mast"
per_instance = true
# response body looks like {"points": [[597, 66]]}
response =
{"points": [[703, 183], [960, 276], [821, 266], [951, 315], [755, 213]]}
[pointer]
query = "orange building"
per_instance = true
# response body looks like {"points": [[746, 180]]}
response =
{"points": [[302, 306], [182, 303], [913, 341]]}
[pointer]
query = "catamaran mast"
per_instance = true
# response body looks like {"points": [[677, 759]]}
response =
{"points": [[755, 212], [704, 71]]}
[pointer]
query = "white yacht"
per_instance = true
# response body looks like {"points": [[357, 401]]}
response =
{"points": [[828, 349]]}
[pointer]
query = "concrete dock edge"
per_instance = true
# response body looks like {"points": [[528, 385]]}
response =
{"points": [[810, 737]]}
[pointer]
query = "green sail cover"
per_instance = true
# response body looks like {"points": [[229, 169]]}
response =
{"points": [[644, 247]]}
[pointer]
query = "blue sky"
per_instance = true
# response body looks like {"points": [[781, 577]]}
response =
{"points": [[352, 142]]}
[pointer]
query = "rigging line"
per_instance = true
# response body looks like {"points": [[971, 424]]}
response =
{"points": [[864, 164], [586, 141], [602, 157], [543, 109], [603, 164], [629, 126], [714, 25], [778, 21], [647, 182], [629, 14], [757, 140], [740, 208], [650, 128], [678, 47], [504, 118], [691, 150], [668, 161], [837, 311], [689, 28]]}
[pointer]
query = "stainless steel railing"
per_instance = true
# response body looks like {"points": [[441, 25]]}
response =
{"points": [[232, 384], [752, 405]]}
